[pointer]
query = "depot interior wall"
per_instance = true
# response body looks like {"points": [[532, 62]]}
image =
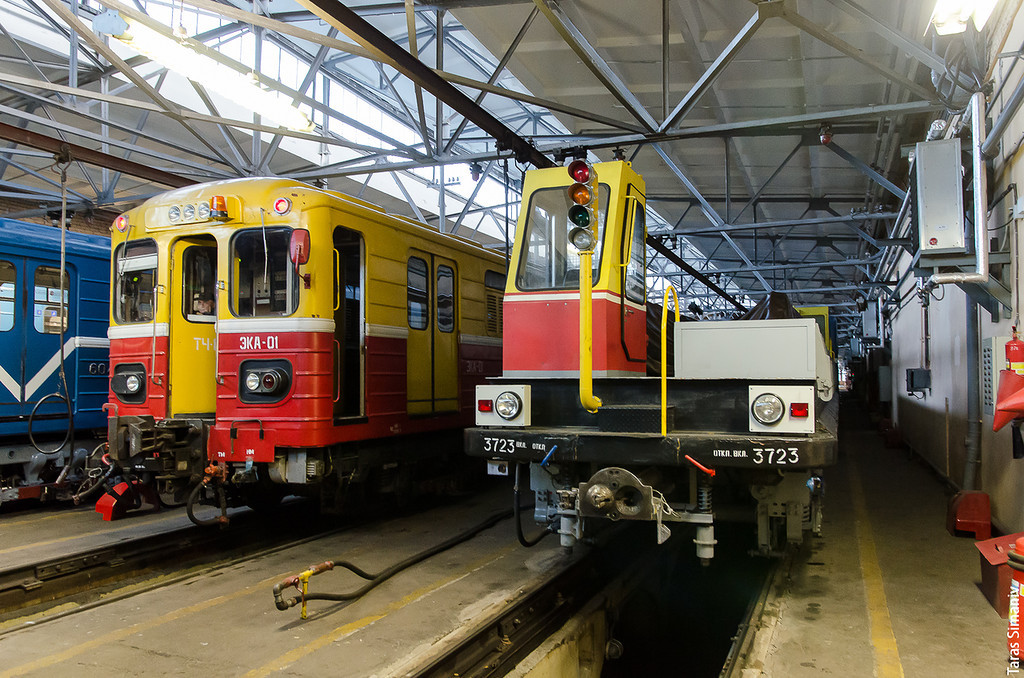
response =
{"points": [[935, 426], [933, 423], [1001, 476]]}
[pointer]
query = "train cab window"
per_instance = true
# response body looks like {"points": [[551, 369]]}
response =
{"points": [[548, 260], [199, 283], [51, 316], [8, 287], [135, 272], [636, 269], [418, 291], [262, 281], [445, 299]]}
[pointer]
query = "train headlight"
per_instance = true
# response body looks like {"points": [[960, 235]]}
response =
{"points": [[174, 213], [508, 405], [264, 381], [132, 383], [128, 383], [252, 382], [768, 408], [204, 210]]}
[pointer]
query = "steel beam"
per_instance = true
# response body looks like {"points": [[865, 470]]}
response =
{"points": [[713, 71], [88, 155], [357, 28], [697, 275], [746, 125], [595, 62], [763, 225], [866, 169], [840, 45]]}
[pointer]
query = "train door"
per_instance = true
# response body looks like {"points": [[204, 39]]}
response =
{"points": [[349, 312], [42, 331], [193, 324], [634, 283], [12, 337], [432, 378]]}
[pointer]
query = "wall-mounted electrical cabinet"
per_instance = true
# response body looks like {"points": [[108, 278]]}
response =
{"points": [[940, 200], [870, 331], [919, 379]]}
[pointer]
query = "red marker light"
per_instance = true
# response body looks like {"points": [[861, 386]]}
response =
{"points": [[282, 205], [485, 405], [121, 223], [798, 409]]}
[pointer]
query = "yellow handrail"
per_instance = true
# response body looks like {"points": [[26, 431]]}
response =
{"points": [[664, 351], [589, 401]]}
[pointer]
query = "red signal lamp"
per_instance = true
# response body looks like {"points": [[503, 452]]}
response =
{"points": [[799, 410], [485, 406], [580, 170], [121, 223]]}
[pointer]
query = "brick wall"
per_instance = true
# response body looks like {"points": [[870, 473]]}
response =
{"points": [[97, 223]]}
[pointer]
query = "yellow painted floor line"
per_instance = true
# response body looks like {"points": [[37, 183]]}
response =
{"points": [[106, 530], [15, 522], [883, 640], [120, 634], [289, 658]]}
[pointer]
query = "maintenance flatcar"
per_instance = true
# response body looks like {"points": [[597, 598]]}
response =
{"points": [[53, 357], [270, 337], [749, 413]]}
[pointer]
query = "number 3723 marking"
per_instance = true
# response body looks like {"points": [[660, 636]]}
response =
{"points": [[780, 456], [500, 445]]}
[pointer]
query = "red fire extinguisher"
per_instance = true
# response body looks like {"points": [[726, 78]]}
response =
{"points": [[1015, 353]]}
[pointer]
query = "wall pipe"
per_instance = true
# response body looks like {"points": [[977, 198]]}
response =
{"points": [[991, 145], [980, 274], [973, 443]]}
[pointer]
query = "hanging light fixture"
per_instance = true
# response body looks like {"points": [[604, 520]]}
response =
{"points": [[176, 55], [951, 16]]}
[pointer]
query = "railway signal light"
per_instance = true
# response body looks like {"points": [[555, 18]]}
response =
{"points": [[583, 207]]}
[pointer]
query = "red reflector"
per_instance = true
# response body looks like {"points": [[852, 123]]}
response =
{"points": [[485, 406], [798, 409]]}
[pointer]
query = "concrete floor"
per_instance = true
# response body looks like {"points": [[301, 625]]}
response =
{"points": [[886, 591], [225, 623]]}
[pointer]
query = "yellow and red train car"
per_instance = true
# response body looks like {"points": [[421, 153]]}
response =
{"points": [[266, 334]]}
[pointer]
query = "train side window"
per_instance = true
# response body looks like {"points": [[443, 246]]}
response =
{"points": [[8, 287], [199, 282], [548, 260], [445, 299], [51, 317], [636, 270], [418, 291], [135, 264], [494, 280], [262, 281]]}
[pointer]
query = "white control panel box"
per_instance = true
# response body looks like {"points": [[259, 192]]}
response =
{"points": [[789, 348], [940, 199]]}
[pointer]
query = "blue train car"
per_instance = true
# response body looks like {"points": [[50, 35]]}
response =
{"points": [[32, 339]]}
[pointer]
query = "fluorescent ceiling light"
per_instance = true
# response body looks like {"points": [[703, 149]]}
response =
{"points": [[241, 88], [951, 16]]}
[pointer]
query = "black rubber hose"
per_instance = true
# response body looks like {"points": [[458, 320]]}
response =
{"points": [[101, 481], [219, 520], [67, 434], [517, 509], [382, 576]]}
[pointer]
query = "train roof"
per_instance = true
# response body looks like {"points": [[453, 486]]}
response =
{"points": [[202, 191], [27, 235]]}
